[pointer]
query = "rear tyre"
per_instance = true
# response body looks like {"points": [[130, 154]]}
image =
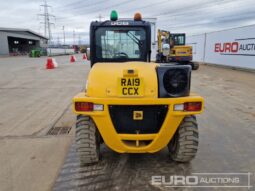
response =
{"points": [[195, 66], [183, 146], [87, 140]]}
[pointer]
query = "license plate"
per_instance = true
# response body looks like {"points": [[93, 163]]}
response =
{"points": [[130, 86]]}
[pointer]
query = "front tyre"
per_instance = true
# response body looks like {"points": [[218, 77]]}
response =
{"points": [[184, 144], [87, 140]]}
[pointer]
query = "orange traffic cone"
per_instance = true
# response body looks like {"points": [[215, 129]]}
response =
{"points": [[49, 64], [84, 56], [72, 59]]}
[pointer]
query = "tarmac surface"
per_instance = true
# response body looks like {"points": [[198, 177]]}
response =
{"points": [[34, 100]]}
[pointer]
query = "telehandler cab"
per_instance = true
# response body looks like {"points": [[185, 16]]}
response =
{"points": [[131, 104]]}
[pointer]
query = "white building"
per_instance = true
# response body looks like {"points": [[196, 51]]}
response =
{"points": [[233, 47]]}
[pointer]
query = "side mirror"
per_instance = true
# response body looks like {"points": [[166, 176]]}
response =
{"points": [[166, 49]]}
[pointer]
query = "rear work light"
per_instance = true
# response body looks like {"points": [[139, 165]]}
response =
{"points": [[88, 106], [188, 106]]}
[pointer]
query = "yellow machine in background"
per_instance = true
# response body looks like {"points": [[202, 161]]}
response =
{"points": [[172, 48]]}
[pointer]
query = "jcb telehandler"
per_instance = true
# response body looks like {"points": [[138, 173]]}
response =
{"points": [[172, 48], [131, 104]]}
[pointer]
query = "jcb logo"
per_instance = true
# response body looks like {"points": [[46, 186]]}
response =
{"points": [[119, 23], [138, 115]]}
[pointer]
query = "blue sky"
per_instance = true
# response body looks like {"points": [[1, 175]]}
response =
{"points": [[190, 16]]}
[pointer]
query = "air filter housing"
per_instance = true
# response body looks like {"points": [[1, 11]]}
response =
{"points": [[174, 80]]}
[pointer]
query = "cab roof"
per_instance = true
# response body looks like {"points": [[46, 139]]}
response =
{"points": [[121, 23]]}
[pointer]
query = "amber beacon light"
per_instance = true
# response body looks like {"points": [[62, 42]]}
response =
{"points": [[137, 17]]}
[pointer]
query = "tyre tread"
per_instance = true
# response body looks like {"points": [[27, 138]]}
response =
{"points": [[86, 142], [186, 140]]}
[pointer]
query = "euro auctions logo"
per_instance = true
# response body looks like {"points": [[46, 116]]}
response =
{"points": [[240, 47], [205, 180], [227, 47]]}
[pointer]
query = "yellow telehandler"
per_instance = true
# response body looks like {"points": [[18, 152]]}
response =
{"points": [[130, 103]]}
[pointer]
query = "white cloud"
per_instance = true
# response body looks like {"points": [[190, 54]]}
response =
{"points": [[192, 17]]}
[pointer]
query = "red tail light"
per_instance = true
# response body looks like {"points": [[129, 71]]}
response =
{"points": [[83, 106], [192, 106]]}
